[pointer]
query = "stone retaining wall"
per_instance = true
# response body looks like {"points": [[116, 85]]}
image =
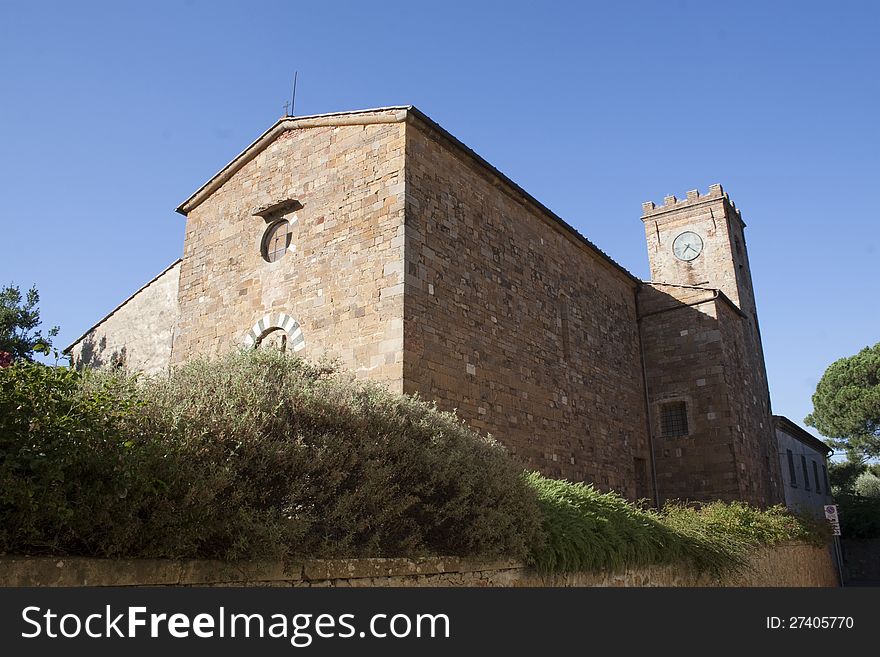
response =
{"points": [[787, 565]]}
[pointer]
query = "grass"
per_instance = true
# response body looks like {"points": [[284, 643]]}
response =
{"points": [[587, 530]]}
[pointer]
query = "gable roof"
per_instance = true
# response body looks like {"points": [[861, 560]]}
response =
{"points": [[800, 434], [392, 114]]}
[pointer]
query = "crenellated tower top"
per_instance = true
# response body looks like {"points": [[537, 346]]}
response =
{"points": [[694, 199]]}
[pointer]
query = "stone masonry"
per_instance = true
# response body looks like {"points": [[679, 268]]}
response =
{"points": [[525, 329], [342, 280], [417, 264], [702, 346], [790, 564], [139, 333]]}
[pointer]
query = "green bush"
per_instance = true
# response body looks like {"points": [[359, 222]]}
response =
{"points": [[859, 516], [747, 524], [63, 460], [253, 455], [592, 531], [867, 484], [260, 455]]}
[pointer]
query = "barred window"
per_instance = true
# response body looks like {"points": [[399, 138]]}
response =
{"points": [[806, 472], [673, 419], [792, 473], [276, 240], [816, 477]]}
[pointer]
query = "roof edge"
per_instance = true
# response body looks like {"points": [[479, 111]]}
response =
{"points": [[284, 124], [113, 312], [802, 434], [399, 114], [718, 294], [526, 196]]}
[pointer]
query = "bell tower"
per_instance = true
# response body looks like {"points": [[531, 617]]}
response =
{"points": [[709, 402], [700, 241]]}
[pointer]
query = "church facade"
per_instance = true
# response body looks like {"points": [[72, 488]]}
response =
{"points": [[378, 238]]}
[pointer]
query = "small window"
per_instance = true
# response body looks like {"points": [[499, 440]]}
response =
{"points": [[825, 479], [816, 477], [806, 473], [276, 240], [673, 419], [792, 474], [564, 327]]}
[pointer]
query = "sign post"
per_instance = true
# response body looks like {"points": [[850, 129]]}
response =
{"points": [[833, 519]]}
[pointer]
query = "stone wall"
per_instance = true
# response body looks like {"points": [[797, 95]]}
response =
{"points": [[518, 323], [138, 334], [698, 350], [749, 423], [341, 282], [684, 363], [786, 565]]}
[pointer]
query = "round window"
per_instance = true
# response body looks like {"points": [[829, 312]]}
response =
{"points": [[276, 241]]}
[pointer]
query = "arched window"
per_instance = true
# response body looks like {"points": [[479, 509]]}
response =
{"points": [[273, 338], [279, 331]]}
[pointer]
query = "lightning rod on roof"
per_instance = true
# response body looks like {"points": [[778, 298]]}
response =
{"points": [[289, 107]]}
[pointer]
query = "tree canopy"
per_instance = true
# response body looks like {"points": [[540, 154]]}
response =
{"points": [[846, 404], [20, 336]]}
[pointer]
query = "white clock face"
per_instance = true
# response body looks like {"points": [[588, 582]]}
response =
{"points": [[687, 246]]}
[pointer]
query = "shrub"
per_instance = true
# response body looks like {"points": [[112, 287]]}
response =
{"points": [[859, 516], [260, 455], [589, 530], [749, 524], [867, 484], [253, 455], [64, 464]]}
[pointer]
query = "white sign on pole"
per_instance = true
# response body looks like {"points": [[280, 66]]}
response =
{"points": [[832, 518]]}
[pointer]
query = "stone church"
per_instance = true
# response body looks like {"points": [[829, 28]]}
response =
{"points": [[378, 238]]}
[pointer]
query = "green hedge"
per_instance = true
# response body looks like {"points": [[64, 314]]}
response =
{"points": [[260, 455], [589, 530], [254, 455]]}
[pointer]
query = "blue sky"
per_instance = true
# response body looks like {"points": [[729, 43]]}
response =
{"points": [[113, 113]]}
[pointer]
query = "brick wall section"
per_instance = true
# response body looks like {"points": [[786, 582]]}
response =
{"points": [[698, 350], [343, 282], [684, 361], [138, 334], [785, 565], [517, 324], [750, 427]]}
